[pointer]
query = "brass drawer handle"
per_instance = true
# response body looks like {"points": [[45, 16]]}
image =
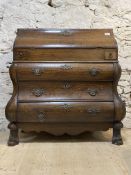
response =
{"points": [[66, 67], [38, 92], [93, 111], [37, 71], [94, 72], [41, 116], [92, 92]]}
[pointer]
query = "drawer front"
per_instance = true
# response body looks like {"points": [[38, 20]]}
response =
{"points": [[68, 54], [61, 91], [65, 71], [61, 112]]}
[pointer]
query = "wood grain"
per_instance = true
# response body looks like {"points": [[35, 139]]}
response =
{"points": [[65, 71], [65, 81], [66, 54], [64, 91], [66, 112]]}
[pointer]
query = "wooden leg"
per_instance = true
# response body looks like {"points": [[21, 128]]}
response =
{"points": [[13, 138], [117, 139]]}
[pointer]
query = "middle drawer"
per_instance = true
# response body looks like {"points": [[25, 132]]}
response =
{"points": [[62, 91], [65, 71]]}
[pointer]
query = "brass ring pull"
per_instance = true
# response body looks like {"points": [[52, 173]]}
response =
{"points": [[94, 72], [92, 92]]}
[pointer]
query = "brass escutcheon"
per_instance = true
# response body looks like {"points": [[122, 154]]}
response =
{"points": [[67, 107], [38, 92], [66, 33], [37, 71], [41, 116], [67, 85], [66, 67]]}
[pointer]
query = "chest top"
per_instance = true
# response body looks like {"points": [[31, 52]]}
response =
{"points": [[65, 45]]}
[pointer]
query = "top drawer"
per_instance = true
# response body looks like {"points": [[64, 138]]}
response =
{"points": [[65, 45], [64, 71], [68, 54]]}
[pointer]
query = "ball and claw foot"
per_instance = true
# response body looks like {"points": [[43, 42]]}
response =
{"points": [[13, 138], [117, 139]]}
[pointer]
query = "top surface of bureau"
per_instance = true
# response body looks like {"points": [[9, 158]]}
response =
{"points": [[65, 44], [65, 38]]}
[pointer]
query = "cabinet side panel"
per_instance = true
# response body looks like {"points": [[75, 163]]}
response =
{"points": [[120, 109], [11, 108]]}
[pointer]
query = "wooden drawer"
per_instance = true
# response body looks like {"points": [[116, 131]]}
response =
{"points": [[65, 112], [61, 91], [65, 45], [68, 54], [65, 71]]}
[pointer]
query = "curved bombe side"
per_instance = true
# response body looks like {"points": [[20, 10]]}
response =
{"points": [[10, 110], [120, 109]]}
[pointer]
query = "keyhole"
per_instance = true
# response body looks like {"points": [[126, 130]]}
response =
{"points": [[110, 55]]}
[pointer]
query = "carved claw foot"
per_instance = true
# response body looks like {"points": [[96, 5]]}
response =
{"points": [[13, 138], [117, 139]]}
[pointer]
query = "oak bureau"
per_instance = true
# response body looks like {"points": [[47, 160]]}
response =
{"points": [[65, 82]]}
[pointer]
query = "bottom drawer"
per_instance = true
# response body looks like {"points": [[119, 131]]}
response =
{"points": [[64, 112]]}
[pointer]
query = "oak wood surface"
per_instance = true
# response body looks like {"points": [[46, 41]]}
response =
{"points": [[65, 81], [65, 71], [65, 128], [65, 91], [67, 38], [65, 54], [65, 112]]}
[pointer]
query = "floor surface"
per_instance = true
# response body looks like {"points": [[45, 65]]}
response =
{"points": [[86, 154]]}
